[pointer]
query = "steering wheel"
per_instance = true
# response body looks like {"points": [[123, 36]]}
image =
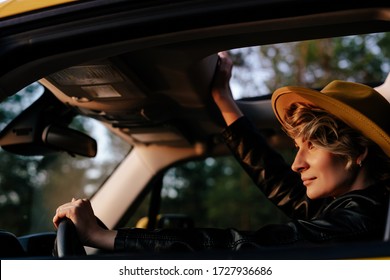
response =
{"points": [[67, 242]]}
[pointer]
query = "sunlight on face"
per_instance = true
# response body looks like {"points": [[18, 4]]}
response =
{"points": [[322, 172]]}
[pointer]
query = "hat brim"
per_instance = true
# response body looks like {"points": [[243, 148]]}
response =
{"points": [[283, 97]]}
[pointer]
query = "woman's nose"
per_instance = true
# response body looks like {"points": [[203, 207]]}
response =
{"points": [[300, 163]]}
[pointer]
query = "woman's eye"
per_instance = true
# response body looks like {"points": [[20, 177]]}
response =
{"points": [[310, 145]]}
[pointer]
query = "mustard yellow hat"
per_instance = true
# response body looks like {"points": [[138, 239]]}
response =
{"points": [[358, 105]]}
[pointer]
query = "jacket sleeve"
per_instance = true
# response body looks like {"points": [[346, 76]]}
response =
{"points": [[269, 171]]}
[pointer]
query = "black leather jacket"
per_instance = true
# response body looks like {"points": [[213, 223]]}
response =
{"points": [[355, 216]]}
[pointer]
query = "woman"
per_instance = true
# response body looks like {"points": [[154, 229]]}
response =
{"points": [[333, 191]]}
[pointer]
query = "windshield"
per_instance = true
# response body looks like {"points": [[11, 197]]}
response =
{"points": [[35, 185]]}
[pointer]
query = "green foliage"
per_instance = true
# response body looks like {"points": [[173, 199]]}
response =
{"points": [[16, 189], [313, 63]]}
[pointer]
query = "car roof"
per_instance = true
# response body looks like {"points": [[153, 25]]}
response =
{"points": [[144, 68], [15, 7]]}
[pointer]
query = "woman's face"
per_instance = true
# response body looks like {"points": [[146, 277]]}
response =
{"points": [[323, 173]]}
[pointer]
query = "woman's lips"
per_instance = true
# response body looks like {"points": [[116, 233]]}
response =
{"points": [[307, 181]]}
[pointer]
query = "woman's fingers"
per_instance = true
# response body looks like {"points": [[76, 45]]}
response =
{"points": [[74, 210]]}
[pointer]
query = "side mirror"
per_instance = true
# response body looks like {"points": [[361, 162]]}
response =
{"points": [[42, 129]]}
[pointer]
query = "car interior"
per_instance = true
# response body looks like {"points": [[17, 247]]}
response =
{"points": [[145, 73]]}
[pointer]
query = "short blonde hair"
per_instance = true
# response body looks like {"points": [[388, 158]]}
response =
{"points": [[326, 131]]}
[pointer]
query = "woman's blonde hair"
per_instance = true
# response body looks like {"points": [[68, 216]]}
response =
{"points": [[330, 133]]}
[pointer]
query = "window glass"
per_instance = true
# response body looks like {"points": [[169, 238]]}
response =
{"points": [[32, 187], [259, 70], [216, 192]]}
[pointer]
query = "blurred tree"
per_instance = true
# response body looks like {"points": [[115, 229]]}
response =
{"points": [[216, 192], [17, 179], [312, 63]]}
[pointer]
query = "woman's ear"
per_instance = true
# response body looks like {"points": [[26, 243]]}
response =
{"points": [[362, 157]]}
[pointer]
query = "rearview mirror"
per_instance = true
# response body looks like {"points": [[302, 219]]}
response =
{"points": [[42, 129], [69, 140]]}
